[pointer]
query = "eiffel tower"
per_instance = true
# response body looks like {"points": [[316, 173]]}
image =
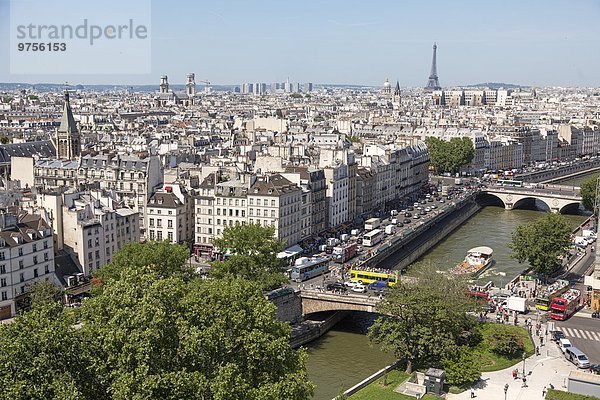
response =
{"points": [[433, 83]]}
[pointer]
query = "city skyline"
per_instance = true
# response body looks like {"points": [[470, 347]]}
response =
{"points": [[357, 43]]}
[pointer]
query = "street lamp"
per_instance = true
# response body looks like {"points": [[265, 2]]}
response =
{"points": [[505, 390], [523, 364]]}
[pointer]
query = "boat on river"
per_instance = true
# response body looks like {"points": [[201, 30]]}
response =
{"points": [[478, 259]]}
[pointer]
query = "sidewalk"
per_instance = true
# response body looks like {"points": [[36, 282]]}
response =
{"points": [[550, 367]]}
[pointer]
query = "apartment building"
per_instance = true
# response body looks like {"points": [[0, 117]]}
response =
{"points": [[270, 200], [26, 257], [133, 178], [90, 226], [274, 200], [168, 215]]}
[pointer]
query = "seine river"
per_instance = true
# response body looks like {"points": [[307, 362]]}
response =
{"points": [[343, 357]]}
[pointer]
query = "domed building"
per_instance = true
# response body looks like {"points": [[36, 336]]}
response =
{"points": [[387, 87]]}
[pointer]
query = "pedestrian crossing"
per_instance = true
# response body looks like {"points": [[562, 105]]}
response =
{"points": [[581, 334]]}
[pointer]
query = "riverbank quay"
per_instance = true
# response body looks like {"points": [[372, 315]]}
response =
{"points": [[411, 243], [309, 330]]}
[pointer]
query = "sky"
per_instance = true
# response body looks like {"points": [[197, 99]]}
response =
{"points": [[528, 42]]}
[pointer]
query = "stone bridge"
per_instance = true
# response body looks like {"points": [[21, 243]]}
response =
{"points": [[556, 197], [314, 302]]}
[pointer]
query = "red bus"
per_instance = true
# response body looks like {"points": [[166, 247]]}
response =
{"points": [[564, 306]]}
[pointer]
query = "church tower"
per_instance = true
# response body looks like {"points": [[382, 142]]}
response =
{"points": [[68, 143], [396, 101], [190, 86], [164, 84]]}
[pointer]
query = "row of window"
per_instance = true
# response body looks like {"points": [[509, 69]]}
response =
{"points": [[159, 223], [4, 282], [158, 235], [34, 248]]}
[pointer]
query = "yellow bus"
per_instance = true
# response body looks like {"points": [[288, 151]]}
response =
{"points": [[368, 275]]}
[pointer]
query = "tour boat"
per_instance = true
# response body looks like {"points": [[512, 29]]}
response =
{"points": [[478, 259]]}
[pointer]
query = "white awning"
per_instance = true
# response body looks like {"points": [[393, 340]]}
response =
{"points": [[290, 251]]}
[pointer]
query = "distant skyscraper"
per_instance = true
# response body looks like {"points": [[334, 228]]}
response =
{"points": [[433, 83], [307, 87]]}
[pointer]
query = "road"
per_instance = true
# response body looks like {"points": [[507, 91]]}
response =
{"points": [[584, 333]]}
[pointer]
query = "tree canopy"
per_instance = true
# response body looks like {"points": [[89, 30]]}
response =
{"points": [[588, 192], [42, 356], [423, 322], [449, 156], [542, 243], [154, 333], [253, 255], [166, 258]]}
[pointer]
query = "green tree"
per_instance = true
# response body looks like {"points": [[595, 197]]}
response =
{"points": [[166, 338], [43, 293], [543, 243], [449, 156], [253, 250], [4, 139], [462, 368], [43, 357], [505, 341], [423, 322], [588, 192], [167, 259]]}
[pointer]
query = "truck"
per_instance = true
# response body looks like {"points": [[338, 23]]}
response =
{"points": [[516, 304], [390, 229], [372, 223], [444, 190], [458, 181], [343, 253], [564, 306]]}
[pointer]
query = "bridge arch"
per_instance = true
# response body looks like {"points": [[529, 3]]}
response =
{"points": [[316, 302], [570, 208], [530, 202], [490, 199]]}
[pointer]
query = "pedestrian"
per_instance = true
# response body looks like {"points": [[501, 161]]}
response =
{"points": [[524, 382], [544, 390], [537, 350], [541, 341], [472, 393]]}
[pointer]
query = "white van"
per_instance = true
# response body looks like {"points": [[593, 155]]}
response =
{"points": [[564, 344], [577, 357]]}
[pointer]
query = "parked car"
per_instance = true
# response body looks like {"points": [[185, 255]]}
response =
{"points": [[359, 288], [557, 335], [595, 368], [407, 221], [336, 286], [350, 284]]}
